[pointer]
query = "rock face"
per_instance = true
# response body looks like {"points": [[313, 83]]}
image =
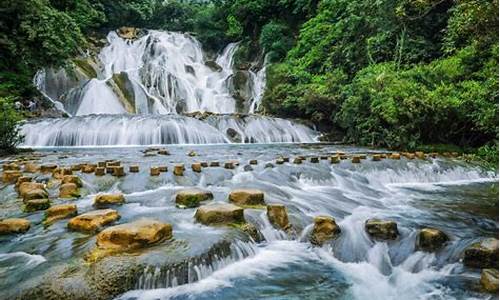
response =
{"points": [[135, 235], [219, 214], [106, 200], [430, 239], [59, 212], [11, 176], [483, 254], [278, 216], [92, 221], [382, 229], [69, 190], [247, 197], [324, 229], [14, 225], [489, 280], [189, 198]]}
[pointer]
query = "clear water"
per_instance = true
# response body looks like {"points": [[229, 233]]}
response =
{"points": [[460, 199]]}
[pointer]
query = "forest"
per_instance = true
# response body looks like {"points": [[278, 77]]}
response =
{"points": [[399, 74]]}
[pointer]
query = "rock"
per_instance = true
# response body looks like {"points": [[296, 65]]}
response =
{"points": [[268, 166], [314, 159], [376, 157], [59, 173], [278, 216], [59, 212], [229, 165], [247, 168], [128, 33], [382, 229], [280, 161], [106, 200], [334, 159], [297, 161], [48, 168], [192, 153], [89, 168], [69, 190], [163, 169], [483, 254], [179, 170], [395, 156], [133, 169], [253, 162], [110, 170], [213, 66], [32, 190], [92, 221], [489, 280], [196, 167], [113, 163], [190, 198], [76, 168], [14, 225], [72, 179], [219, 214], [163, 152], [189, 69], [36, 204], [11, 176], [214, 164], [134, 235], [420, 154], [324, 229], [35, 194], [101, 164], [247, 197], [31, 168], [252, 231], [204, 164], [286, 159], [356, 159], [430, 239], [100, 171], [118, 171], [154, 171], [11, 167], [23, 179]]}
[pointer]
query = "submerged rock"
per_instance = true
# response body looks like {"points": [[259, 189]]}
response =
{"points": [[69, 190], [190, 198], [489, 280], [483, 254], [59, 212], [356, 159], [219, 214], [382, 229], [278, 216], [247, 197], [430, 239], [14, 225], [92, 221], [325, 228], [106, 200]]}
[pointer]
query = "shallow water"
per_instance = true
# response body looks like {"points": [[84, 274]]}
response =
{"points": [[459, 198]]}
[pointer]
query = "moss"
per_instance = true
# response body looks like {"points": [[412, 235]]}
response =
{"points": [[85, 67]]}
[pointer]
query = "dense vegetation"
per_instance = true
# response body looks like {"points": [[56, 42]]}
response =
{"points": [[394, 73]]}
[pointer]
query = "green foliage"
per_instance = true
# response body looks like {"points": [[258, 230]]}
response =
{"points": [[276, 39], [9, 130]]}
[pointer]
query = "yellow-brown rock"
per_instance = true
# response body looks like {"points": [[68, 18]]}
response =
{"points": [[59, 212], [25, 187], [69, 190], [356, 159], [11, 176], [430, 239], [128, 33], [196, 167], [92, 221], [489, 280], [11, 167], [483, 254], [72, 179], [118, 171], [189, 198], [133, 169], [247, 197], [14, 225], [106, 200], [382, 229], [154, 171], [31, 168], [219, 214], [48, 168], [324, 229], [179, 170], [395, 156], [100, 171], [278, 216]]}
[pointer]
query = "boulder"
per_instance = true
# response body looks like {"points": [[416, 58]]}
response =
{"points": [[99, 171], [101, 164], [59, 173], [36, 204], [23, 179], [89, 168], [280, 161], [11, 176], [196, 167], [69, 190], [48, 168], [204, 164], [286, 159], [382, 229], [489, 280], [35, 194], [72, 179], [92, 221], [59, 212], [219, 214], [430, 239], [324, 229], [420, 154], [135, 235], [133, 169], [163, 152], [483, 254], [278, 216], [179, 170], [110, 170], [31, 168], [213, 65], [106, 200], [247, 197], [128, 33], [154, 171], [189, 198], [14, 225], [77, 167], [26, 187]]}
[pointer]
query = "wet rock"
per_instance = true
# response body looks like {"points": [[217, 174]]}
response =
{"points": [[100, 171], [297, 160], [233, 135], [247, 197], [101, 164], [89, 168], [135, 235], [179, 170], [247, 168], [196, 167], [280, 161], [11, 167], [189, 198], [430, 239], [92, 221], [204, 164], [72, 179], [11, 176], [489, 280], [113, 163], [213, 66], [106, 200], [110, 170], [278, 216], [189, 69], [31, 168], [163, 169], [69, 190], [334, 159], [395, 156], [48, 168], [23, 179], [36, 188], [376, 157], [286, 159], [356, 159], [192, 153], [268, 166], [128, 33], [325, 228], [229, 165], [118, 171], [253, 232], [420, 154], [483, 254], [253, 162], [59, 212], [36, 204], [59, 173], [154, 171], [14, 225], [382, 229], [219, 214], [314, 159], [163, 152], [133, 169], [214, 164]]}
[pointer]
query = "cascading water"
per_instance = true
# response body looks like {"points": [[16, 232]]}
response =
{"points": [[160, 73]]}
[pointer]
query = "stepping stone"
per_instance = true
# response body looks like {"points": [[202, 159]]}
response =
{"points": [[92, 221], [382, 229], [14, 225], [278, 216], [69, 190], [106, 200], [72, 179], [11, 176], [59, 212], [190, 198], [219, 214], [36, 204], [324, 229], [247, 197]]}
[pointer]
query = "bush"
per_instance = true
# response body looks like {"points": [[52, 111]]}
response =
{"points": [[9, 129]]}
